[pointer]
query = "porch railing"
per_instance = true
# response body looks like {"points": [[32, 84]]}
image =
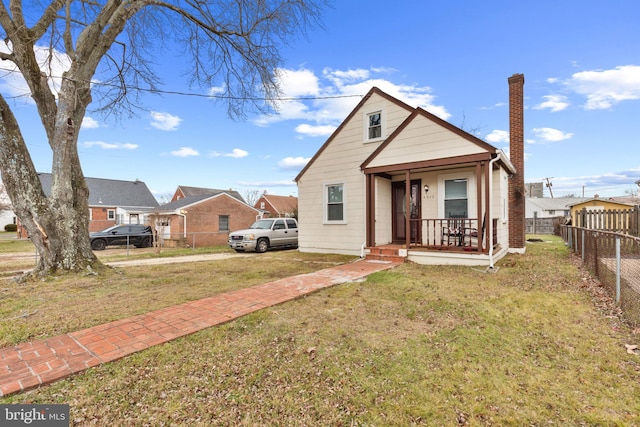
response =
{"points": [[447, 232]]}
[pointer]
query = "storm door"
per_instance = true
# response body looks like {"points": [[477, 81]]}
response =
{"points": [[399, 206]]}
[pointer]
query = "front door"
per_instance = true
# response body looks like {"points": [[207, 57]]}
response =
{"points": [[399, 207]]}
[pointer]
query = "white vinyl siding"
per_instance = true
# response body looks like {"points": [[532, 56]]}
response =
{"points": [[423, 139], [339, 162]]}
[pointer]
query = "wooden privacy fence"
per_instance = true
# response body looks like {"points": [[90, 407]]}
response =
{"points": [[625, 221]]}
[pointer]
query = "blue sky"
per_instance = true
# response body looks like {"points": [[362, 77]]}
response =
{"points": [[581, 61]]}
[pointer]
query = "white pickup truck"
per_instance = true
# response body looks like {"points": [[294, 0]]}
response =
{"points": [[265, 234]]}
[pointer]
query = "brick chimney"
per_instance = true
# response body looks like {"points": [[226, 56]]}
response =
{"points": [[516, 155]]}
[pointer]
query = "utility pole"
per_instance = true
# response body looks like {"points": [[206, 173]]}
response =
{"points": [[549, 185]]}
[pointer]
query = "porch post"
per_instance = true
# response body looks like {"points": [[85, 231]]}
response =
{"points": [[479, 167], [407, 215], [370, 214], [488, 199]]}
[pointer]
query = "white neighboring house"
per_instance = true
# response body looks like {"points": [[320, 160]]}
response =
{"points": [[6, 216], [548, 207], [396, 175]]}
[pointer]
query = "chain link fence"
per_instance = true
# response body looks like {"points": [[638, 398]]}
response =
{"points": [[19, 254], [613, 258]]}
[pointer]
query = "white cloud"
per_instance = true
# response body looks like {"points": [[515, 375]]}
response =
{"points": [[551, 135], [185, 152], [165, 121], [296, 163], [111, 145], [497, 135], [52, 62], [553, 103], [89, 123], [320, 130], [605, 88], [335, 93], [236, 153]]}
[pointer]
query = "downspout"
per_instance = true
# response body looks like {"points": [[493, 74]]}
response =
{"points": [[366, 207], [489, 212]]}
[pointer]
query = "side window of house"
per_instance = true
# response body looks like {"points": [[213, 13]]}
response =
{"points": [[261, 205], [291, 223], [335, 202], [455, 198], [223, 223], [111, 214]]}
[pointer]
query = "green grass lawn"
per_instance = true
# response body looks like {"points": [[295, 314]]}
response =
{"points": [[535, 343]]}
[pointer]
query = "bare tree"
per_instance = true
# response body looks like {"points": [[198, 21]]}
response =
{"points": [[105, 48], [251, 197]]}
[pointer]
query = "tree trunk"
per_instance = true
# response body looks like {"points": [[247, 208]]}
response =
{"points": [[58, 224]]}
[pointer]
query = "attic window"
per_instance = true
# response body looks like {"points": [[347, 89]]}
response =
{"points": [[373, 126]]}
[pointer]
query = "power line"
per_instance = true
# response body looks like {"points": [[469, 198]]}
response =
{"points": [[195, 94]]}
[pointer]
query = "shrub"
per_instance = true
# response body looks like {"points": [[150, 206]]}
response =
{"points": [[11, 227]]}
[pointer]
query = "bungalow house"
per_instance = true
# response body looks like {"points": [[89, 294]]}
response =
{"points": [[111, 202], [202, 217], [274, 206], [397, 179]]}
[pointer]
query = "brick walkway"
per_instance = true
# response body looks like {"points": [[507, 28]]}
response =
{"points": [[32, 364]]}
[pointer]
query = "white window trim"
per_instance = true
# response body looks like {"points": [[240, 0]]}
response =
{"points": [[325, 203], [471, 192], [383, 126], [111, 214]]}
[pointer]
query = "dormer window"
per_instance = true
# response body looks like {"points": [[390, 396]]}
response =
{"points": [[373, 126]]}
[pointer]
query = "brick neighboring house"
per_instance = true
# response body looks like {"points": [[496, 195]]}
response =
{"points": [[183, 191], [111, 202], [199, 217], [274, 206]]}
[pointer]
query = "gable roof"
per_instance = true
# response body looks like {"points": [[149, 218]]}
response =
{"points": [[374, 90], [193, 200], [111, 192], [199, 191], [282, 204], [489, 151], [420, 112]]}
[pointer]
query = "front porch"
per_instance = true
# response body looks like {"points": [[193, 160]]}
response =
{"points": [[442, 241]]}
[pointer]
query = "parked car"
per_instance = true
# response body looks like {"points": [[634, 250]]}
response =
{"points": [[265, 234], [138, 235]]}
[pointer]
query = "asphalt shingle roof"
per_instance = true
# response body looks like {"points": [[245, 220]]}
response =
{"points": [[111, 192]]}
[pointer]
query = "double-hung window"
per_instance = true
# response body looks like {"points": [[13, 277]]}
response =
{"points": [[375, 125], [334, 196], [223, 222], [455, 198]]}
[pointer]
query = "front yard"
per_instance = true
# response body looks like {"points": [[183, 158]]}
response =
{"points": [[536, 343]]}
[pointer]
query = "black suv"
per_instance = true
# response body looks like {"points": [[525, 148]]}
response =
{"points": [[137, 235]]}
